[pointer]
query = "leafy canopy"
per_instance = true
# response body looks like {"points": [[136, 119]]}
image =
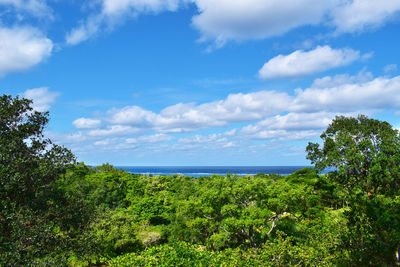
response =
{"points": [[366, 156], [30, 214], [364, 152]]}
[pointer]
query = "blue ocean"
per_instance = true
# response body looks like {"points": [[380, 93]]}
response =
{"points": [[197, 171]]}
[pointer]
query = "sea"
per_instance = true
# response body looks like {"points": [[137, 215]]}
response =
{"points": [[197, 171]]}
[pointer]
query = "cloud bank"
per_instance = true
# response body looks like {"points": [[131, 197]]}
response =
{"points": [[221, 21], [241, 118]]}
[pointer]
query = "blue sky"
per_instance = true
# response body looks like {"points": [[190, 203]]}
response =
{"points": [[200, 82]]}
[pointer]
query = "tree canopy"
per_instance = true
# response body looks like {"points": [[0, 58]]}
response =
{"points": [[56, 212], [364, 152], [365, 155], [30, 202]]}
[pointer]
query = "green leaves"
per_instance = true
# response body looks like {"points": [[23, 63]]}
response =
{"points": [[366, 155], [30, 202], [233, 211]]}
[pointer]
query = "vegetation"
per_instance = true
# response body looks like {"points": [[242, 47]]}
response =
{"points": [[59, 212]]}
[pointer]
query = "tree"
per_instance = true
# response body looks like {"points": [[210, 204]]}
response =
{"points": [[29, 165], [365, 155]]}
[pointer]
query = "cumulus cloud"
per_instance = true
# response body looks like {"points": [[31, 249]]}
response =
{"points": [[103, 142], [130, 115], [113, 12], [282, 135], [22, 48], [204, 139], [190, 117], [37, 8], [156, 138], [379, 93], [342, 79], [84, 31], [116, 7], [224, 20], [300, 63], [220, 21], [114, 130], [329, 95], [298, 121], [42, 98], [358, 15], [210, 142], [242, 118], [84, 123], [291, 126]]}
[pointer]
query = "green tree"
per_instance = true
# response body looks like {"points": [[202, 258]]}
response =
{"points": [[32, 214], [365, 155], [232, 211]]}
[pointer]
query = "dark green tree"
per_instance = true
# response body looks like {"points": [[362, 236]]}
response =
{"points": [[365, 156], [33, 213]]}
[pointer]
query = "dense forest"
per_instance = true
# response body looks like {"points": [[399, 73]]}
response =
{"points": [[57, 212]]}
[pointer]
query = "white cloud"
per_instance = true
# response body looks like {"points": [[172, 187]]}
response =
{"points": [[21, 48], [103, 142], [300, 63], [379, 93], [73, 138], [113, 130], [390, 68], [224, 20], [328, 95], [230, 132], [209, 142], [36, 8], [131, 115], [284, 135], [358, 15], [42, 98], [84, 31], [241, 118], [114, 12], [190, 117], [298, 121], [156, 138], [84, 123], [292, 126], [220, 21], [342, 79], [202, 139], [116, 7]]}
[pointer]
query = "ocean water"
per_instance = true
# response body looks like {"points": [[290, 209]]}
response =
{"points": [[197, 171]]}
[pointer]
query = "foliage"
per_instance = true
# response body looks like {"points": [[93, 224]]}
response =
{"points": [[114, 233], [57, 212], [30, 219], [231, 211], [280, 252], [40, 222], [366, 155]]}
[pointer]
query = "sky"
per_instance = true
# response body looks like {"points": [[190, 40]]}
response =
{"points": [[200, 82]]}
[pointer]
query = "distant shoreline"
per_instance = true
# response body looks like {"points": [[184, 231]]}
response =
{"points": [[197, 171]]}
